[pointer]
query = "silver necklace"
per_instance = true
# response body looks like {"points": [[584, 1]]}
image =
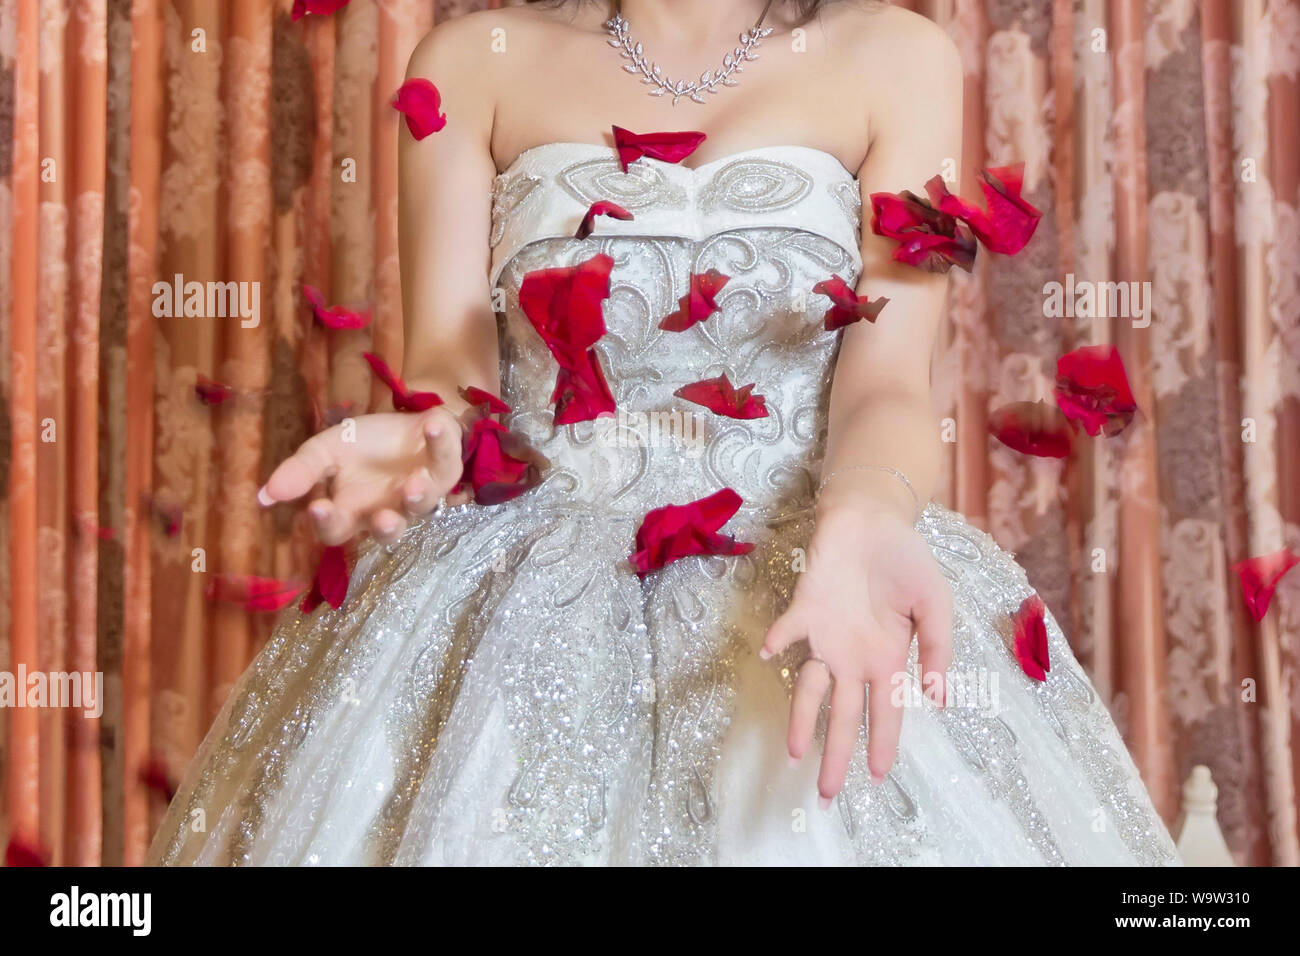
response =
{"points": [[709, 81]]}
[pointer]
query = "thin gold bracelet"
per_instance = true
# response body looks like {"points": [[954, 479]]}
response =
{"points": [[916, 500]]}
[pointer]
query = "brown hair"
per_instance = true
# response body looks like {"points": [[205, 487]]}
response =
{"points": [[807, 9]]}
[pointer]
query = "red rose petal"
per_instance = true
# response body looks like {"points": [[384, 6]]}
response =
{"points": [[565, 306], [333, 316], [847, 306], [720, 397], [1010, 221], [320, 8], [666, 147], [581, 392], [1260, 576], [20, 852], [475, 396], [602, 208], [155, 776], [698, 303], [498, 465], [1092, 390], [420, 102], [210, 392], [252, 593], [404, 400], [330, 584], [927, 238], [1032, 428], [1030, 640], [673, 532]]}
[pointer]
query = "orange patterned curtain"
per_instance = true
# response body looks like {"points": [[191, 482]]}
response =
{"points": [[219, 141]]}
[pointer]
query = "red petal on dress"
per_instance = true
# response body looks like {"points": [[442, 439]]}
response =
{"points": [[1092, 390], [333, 316], [19, 852], [404, 400], [210, 392], [1032, 428], [697, 304], [1260, 576], [420, 102], [475, 396], [581, 392], [320, 8], [927, 238], [667, 147], [601, 208], [252, 593], [498, 464], [1030, 641], [678, 531], [1010, 221], [720, 397], [330, 585], [847, 306], [565, 306]]}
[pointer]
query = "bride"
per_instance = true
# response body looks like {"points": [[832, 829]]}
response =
{"points": [[635, 611]]}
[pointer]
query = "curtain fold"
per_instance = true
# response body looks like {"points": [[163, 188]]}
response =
{"points": [[221, 142]]}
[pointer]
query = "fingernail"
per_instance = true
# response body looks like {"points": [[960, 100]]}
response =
{"points": [[764, 654], [264, 498], [824, 802], [877, 780], [792, 760], [319, 512], [414, 499]]}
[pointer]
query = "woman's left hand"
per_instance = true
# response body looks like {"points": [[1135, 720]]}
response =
{"points": [[870, 580]]}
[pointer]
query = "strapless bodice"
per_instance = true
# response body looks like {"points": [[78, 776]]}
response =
{"points": [[775, 220]]}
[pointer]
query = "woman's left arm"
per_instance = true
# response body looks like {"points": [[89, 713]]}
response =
{"points": [[871, 579]]}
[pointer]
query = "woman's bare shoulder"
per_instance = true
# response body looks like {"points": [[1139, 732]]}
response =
{"points": [[888, 34]]}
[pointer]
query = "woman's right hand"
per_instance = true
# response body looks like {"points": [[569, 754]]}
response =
{"points": [[383, 470]]}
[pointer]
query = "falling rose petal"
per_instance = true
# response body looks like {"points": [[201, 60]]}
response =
{"points": [[565, 306], [847, 306], [1092, 390], [252, 593], [697, 304], [155, 776], [475, 397], [167, 515], [679, 531], [210, 392], [320, 8], [1030, 638], [927, 238], [20, 852], [420, 102], [581, 392], [498, 465], [1032, 428], [330, 585], [666, 147], [404, 400], [1260, 576], [1010, 221], [601, 208], [720, 397], [333, 316]]}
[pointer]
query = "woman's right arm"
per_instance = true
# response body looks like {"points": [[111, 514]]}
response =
{"points": [[389, 467]]}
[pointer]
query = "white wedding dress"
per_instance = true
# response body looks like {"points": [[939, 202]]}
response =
{"points": [[500, 687]]}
